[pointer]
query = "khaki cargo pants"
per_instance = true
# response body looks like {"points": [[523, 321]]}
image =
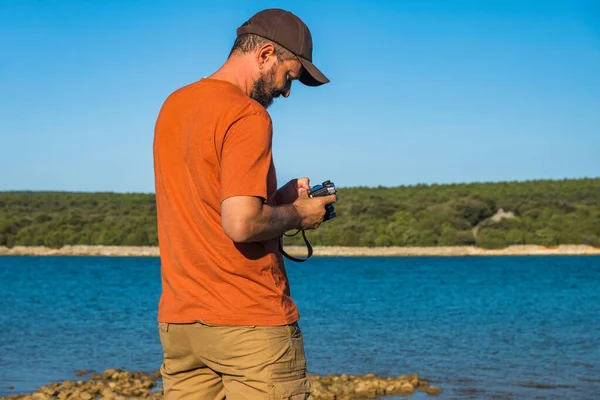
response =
{"points": [[205, 361]]}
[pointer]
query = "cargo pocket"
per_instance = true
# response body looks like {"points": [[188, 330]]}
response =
{"points": [[288, 377], [293, 389]]}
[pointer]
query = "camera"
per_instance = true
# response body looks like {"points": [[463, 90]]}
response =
{"points": [[325, 189]]}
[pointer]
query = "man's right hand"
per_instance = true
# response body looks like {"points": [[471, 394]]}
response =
{"points": [[312, 210]]}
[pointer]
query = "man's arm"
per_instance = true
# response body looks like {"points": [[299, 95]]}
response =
{"points": [[248, 219], [245, 163]]}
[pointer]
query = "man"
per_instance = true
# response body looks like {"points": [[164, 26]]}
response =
{"points": [[227, 322]]}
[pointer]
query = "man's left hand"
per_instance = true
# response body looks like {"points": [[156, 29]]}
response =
{"points": [[289, 192]]}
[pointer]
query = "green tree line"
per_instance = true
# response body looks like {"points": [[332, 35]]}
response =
{"points": [[542, 212]]}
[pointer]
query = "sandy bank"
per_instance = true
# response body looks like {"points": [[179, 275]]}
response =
{"points": [[323, 251]]}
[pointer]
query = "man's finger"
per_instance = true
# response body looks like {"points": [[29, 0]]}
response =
{"points": [[304, 182], [332, 198], [302, 192]]}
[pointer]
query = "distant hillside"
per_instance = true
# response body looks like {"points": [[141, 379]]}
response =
{"points": [[488, 215]]}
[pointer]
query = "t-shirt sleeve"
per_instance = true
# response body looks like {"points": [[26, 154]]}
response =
{"points": [[246, 157]]}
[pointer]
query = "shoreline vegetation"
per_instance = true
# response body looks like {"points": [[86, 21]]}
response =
{"points": [[115, 384], [318, 251], [402, 219]]}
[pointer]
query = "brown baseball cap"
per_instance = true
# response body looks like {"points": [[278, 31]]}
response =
{"points": [[287, 30]]}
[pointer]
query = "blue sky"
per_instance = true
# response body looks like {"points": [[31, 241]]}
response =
{"points": [[421, 91]]}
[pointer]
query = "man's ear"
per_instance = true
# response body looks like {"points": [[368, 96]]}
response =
{"points": [[265, 54]]}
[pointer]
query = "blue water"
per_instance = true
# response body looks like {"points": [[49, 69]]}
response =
{"points": [[490, 328]]}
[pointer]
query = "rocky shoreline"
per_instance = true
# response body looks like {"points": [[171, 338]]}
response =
{"points": [[319, 251], [114, 384]]}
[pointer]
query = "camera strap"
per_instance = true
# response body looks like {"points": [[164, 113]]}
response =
{"points": [[308, 246]]}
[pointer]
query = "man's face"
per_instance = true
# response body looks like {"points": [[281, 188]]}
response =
{"points": [[275, 81]]}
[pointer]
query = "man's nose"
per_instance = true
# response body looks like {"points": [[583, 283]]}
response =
{"points": [[287, 89]]}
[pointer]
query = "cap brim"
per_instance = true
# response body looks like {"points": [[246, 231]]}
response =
{"points": [[311, 76]]}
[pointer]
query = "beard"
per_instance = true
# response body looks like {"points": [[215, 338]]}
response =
{"points": [[264, 90]]}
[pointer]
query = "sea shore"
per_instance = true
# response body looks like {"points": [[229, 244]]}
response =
{"points": [[318, 251], [115, 384]]}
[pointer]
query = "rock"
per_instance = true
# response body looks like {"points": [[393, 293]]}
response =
{"points": [[11, 388], [95, 389], [148, 384], [414, 380], [76, 394], [85, 396], [125, 375], [433, 390], [390, 389], [107, 374], [67, 385], [362, 387], [407, 387], [48, 390], [82, 372]]}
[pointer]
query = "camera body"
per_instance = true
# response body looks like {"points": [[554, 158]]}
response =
{"points": [[325, 189]]}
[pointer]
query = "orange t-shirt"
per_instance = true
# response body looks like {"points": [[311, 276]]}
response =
{"points": [[211, 142]]}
